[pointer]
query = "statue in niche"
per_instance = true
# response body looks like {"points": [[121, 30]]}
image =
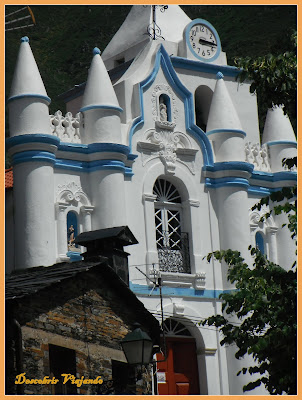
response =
{"points": [[71, 237], [163, 112]]}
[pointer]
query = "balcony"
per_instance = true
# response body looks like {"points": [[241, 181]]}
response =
{"points": [[173, 252]]}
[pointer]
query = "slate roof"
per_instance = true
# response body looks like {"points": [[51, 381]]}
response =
{"points": [[30, 281]]}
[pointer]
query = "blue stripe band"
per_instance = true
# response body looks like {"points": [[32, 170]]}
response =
{"points": [[274, 177], [101, 106], [95, 148], [184, 292], [235, 131], [33, 156], [227, 181], [29, 95], [231, 165], [192, 65], [36, 137], [287, 142]]}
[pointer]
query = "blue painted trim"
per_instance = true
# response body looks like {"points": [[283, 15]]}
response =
{"points": [[101, 106], [163, 60], [192, 65], [132, 157], [83, 166], [94, 148], [226, 181], [33, 156], [74, 256], [236, 131], [261, 191], [29, 95], [231, 165], [276, 142], [211, 27], [168, 291], [274, 177], [36, 137]]}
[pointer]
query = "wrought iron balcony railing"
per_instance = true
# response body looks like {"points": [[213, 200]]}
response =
{"points": [[173, 252]]}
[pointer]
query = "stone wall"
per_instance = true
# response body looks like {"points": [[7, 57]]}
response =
{"points": [[83, 314]]}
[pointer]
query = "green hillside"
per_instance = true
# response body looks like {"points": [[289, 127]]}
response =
{"points": [[64, 36]]}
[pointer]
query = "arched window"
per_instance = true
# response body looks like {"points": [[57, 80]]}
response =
{"points": [[203, 99], [173, 327], [165, 108], [260, 242], [171, 242], [72, 230]]}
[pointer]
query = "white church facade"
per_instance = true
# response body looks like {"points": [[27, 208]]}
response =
{"points": [[163, 139]]}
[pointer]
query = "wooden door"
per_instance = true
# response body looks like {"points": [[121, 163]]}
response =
{"points": [[179, 373]]}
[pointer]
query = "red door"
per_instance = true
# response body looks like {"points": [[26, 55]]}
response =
{"points": [[179, 373]]}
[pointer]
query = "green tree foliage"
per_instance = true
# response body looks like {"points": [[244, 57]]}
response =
{"points": [[274, 79], [264, 302]]}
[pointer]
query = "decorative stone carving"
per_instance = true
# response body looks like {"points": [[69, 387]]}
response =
{"points": [[169, 146], [258, 156], [157, 91], [200, 281], [72, 193], [66, 128]]}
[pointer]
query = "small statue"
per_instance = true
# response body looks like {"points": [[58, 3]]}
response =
{"points": [[163, 112], [71, 237]]}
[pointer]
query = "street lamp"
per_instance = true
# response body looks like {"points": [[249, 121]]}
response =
{"points": [[137, 346]]}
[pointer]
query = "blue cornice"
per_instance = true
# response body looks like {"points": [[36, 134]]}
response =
{"points": [[94, 148], [237, 132], [84, 166], [200, 66], [282, 142], [216, 183], [29, 95], [231, 165], [101, 106], [34, 156], [163, 60], [274, 177], [36, 137]]}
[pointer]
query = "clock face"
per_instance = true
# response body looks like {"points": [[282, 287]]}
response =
{"points": [[203, 40]]}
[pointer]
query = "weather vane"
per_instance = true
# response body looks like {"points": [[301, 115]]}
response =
{"points": [[153, 29]]}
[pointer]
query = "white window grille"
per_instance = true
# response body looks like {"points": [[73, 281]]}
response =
{"points": [[171, 242]]}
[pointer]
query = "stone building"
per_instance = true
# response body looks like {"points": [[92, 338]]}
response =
{"points": [[70, 318], [163, 139]]}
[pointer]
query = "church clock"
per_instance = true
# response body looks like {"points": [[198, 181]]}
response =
{"points": [[202, 40]]}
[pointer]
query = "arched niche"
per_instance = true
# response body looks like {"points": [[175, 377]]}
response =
{"points": [[165, 108], [203, 100], [72, 229]]}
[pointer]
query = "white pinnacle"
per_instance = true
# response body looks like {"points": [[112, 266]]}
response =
{"points": [[222, 114], [27, 80]]}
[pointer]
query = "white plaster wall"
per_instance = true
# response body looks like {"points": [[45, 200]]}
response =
{"points": [[21, 121], [34, 215], [108, 196], [245, 103]]}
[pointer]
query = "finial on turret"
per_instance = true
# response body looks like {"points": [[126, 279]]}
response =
{"points": [[219, 75], [24, 39], [96, 51]]}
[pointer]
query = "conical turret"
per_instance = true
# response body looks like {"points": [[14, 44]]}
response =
{"points": [[28, 101], [100, 106], [279, 135], [277, 127], [223, 126]]}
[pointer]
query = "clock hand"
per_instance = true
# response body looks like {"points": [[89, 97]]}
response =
{"points": [[202, 41]]}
